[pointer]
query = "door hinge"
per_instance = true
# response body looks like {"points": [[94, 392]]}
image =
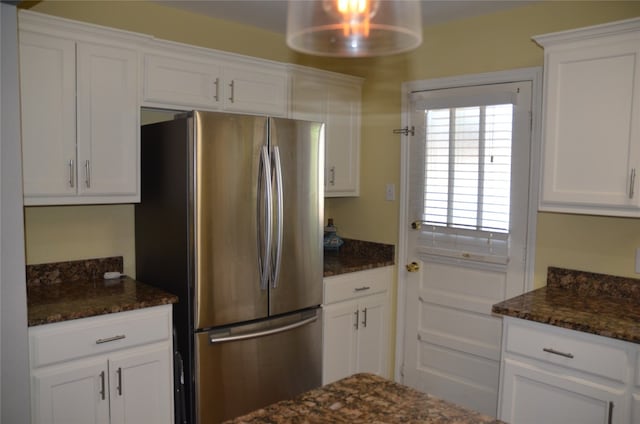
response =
{"points": [[405, 131]]}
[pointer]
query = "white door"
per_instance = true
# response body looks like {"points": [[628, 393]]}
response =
{"points": [[372, 334], [340, 338], [566, 400], [465, 229], [73, 393], [47, 84], [141, 387], [108, 124]]}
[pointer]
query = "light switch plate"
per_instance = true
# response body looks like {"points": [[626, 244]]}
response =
{"points": [[390, 192], [637, 260]]}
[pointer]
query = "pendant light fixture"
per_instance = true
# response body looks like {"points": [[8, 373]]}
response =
{"points": [[353, 28]]}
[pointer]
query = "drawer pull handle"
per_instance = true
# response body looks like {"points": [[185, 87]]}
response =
{"points": [[357, 323], [111, 339], [360, 289], [364, 321], [610, 420], [556, 352]]}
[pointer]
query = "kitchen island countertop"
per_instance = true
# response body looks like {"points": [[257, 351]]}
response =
{"points": [[364, 399]]}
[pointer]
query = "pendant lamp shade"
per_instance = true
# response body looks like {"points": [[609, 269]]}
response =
{"points": [[353, 28]]}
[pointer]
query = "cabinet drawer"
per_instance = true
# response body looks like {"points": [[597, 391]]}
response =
{"points": [[356, 284], [567, 348], [52, 343]]}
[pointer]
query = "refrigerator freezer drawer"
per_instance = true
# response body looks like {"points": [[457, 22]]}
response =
{"points": [[237, 372]]}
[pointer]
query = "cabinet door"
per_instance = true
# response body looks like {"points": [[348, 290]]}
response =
{"points": [[141, 385], [339, 340], [176, 81], [73, 393], [108, 122], [592, 133], [342, 149], [309, 99], [255, 91], [47, 85], [372, 335], [531, 395]]}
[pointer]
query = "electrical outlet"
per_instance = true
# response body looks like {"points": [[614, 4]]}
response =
{"points": [[390, 192], [637, 260]]}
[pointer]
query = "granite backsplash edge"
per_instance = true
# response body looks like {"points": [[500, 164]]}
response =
{"points": [[70, 271], [586, 283]]}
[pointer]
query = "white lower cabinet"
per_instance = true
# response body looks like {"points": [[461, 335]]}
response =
{"points": [[110, 369], [355, 331], [534, 395], [635, 396], [553, 375]]}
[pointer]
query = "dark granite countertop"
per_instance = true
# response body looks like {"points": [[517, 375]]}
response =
{"points": [[364, 399], [357, 255], [75, 289], [69, 290], [593, 303]]}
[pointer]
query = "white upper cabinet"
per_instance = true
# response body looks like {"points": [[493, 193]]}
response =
{"points": [[48, 86], [182, 82], [183, 77], [80, 116], [591, 121], [107, 121], [334, 99]]}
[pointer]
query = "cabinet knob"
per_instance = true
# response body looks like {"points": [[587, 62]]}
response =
{"points": [[413, 267]]}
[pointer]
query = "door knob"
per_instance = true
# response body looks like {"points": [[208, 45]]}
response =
{"points": [[413, 267]]}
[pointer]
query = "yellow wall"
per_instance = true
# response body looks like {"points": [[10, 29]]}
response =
{"points": [[494, 42], [62, 233]]}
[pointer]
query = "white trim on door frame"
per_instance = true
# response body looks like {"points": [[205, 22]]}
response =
{"points": [[534, 75]]}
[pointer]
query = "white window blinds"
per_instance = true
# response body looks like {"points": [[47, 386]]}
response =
{"points": [[466, 173]]}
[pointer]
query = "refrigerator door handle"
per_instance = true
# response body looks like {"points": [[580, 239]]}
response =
{"points": [[279, 217], [252, 335], [265, 207]]}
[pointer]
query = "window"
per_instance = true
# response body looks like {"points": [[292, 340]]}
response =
{"points": [[468, 167], [462, 155]]}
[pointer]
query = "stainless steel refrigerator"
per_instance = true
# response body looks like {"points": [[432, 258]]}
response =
{"points": [[230, 220]]}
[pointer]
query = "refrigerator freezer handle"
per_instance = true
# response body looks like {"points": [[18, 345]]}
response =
{"points": [[264, 245], [245, 336], [280, 204]]}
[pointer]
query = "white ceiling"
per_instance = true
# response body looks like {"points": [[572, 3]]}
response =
{"points": [[272, 14]]}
